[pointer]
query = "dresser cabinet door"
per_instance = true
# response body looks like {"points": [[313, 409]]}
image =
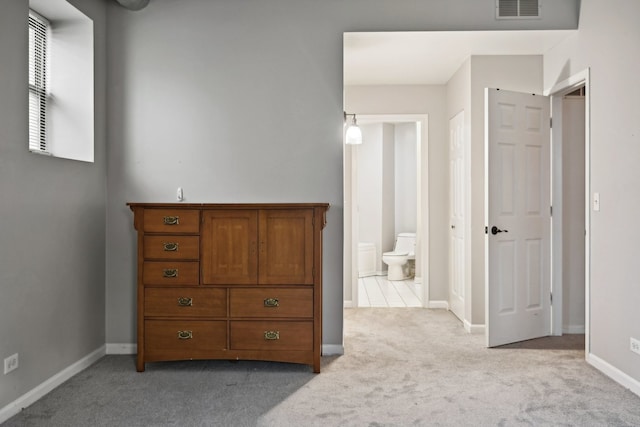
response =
{"points": [[286, 247], [229, 247]]}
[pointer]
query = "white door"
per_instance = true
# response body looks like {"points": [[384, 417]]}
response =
{"points": [[517, 204], [457, 195]]}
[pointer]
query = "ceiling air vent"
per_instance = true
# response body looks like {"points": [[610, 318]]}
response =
{"points": [[518, 9]]}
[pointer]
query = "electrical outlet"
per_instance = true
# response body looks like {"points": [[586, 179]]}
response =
{"points": [[10, 363], [635, 345]]}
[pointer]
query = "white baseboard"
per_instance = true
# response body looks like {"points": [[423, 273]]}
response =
{"points": [[614, 373], [348, 304], [332, 349], [573, 329], [473, 329], [122, 348], [39, 391], [438, 304]]}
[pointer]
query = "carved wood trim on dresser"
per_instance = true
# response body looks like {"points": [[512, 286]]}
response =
{"points": [[229, 281]]}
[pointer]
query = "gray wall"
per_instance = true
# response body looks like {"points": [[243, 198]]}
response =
{"points": [[232, 100], [615, 150], [573, 222], [243, 101], [52, 251]]}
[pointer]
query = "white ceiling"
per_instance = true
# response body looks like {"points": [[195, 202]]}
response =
{"points": [[386, 58]]}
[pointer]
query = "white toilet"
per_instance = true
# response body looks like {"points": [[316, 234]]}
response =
{"points": [[403, 251]]}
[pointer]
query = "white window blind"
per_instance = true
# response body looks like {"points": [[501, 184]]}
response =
{"points": [[38, 37]]}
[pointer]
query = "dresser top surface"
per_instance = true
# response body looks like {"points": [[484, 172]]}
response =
{"points": [[133, 205]]}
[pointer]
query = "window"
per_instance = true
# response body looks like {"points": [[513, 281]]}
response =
{"points": [[38, 70], [61, 80]]}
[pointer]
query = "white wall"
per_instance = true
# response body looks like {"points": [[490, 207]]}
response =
{"points": [[607, 44], [70, 115], [370, 188], [406, 164], [388, 189]]}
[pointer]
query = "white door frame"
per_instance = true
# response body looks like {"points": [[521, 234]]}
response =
{"points": [[557, 92], [350, 242]]}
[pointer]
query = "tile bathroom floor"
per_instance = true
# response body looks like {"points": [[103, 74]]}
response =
{"points": [[377, 291]]}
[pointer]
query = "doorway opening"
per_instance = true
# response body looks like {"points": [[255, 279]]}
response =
{"points": [[394, 155], [569, 213], [571, 207]]}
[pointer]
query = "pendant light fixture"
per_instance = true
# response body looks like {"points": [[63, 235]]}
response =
{"points": [[353, 135], [133, 4]]}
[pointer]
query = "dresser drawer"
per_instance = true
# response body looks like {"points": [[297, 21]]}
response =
{"points": [[172, 247], [170, 272], [184, 339], [171, 221], [271, 335], [271, 302], [186, 302]]}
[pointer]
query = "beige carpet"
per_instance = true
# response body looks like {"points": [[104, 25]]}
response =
{"points": [[401, 367]]}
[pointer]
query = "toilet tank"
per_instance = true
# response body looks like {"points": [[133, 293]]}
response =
{"points": [[406, 242]]}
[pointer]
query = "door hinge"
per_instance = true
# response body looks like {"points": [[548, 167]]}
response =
{"points": [[551, 210], [486, 229], [550, 122], [551, 297]]}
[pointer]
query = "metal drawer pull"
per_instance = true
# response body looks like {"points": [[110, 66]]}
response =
{"points": [[185, 335], [271, 302], [170, 272], [185, 301], [271, 335], [170, 246], [171, 220]]}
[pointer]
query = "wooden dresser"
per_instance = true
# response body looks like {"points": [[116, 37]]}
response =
{"points": [[229, 281]]}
